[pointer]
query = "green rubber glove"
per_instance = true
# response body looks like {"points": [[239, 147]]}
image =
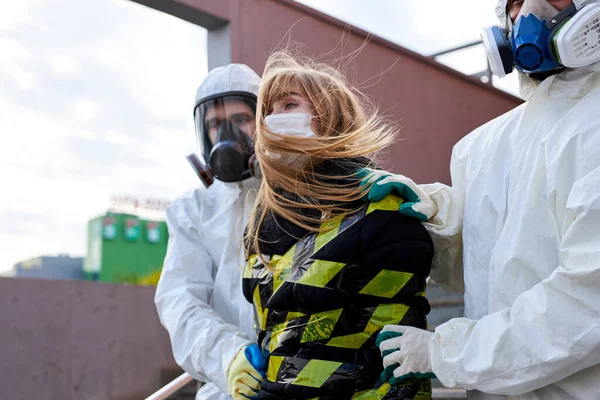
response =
{"points": [[417, 203]]}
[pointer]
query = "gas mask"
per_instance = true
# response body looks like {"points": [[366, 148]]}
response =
{"points": [[225, 125], [545, 41]]}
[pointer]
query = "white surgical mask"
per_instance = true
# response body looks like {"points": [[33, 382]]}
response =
{"points": [[289, 124]]}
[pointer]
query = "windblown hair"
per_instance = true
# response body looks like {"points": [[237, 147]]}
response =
{"points": [[350, 130]]}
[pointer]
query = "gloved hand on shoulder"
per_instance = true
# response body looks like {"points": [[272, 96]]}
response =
{"points": [[246, 372], [417, 203], [405, 352]]}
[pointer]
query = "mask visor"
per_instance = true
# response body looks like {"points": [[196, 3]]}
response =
{"points": [[211, 114]]}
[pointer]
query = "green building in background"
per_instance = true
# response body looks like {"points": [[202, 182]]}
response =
{"points": [[123, 248]]}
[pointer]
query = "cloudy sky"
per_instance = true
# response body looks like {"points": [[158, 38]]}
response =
{"points": [[96, 99]]}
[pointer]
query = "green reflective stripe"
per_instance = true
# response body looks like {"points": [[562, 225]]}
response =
{"points": [[316, 373], [261, 314], [273, 368], [354, 341], [320, 273], [358, 394], [279, 329], [390, 203], [331, 229], [276, 331], [386, 314], [320, 325], [282, 267], [387, 283], [293, 315], [374, 394], [249, 265]]}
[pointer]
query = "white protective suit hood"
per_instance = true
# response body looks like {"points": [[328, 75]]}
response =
{"points": [[230, 78], [541, 9], [528, 183], [199, 296]]}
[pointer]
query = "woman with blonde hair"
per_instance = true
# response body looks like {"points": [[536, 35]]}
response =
{"points": [[326, 271]]}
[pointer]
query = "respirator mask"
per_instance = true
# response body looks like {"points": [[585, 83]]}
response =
{"points": [[569, 39], [225, 125]]}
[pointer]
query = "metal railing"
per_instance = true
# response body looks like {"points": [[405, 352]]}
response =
{"points": [[444, 393], [176, 386], [172, 388]]}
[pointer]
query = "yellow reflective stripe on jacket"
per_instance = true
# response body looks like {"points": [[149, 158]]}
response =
{"points": [[316, 373], [384, 314], [374, 394], [261, 313], [389, 203], [249, 266], [279, 329], [386, 283], [273, 368], [353, 341], [331, 229], [282, 267], [357, 395], [320, 326], [320, 273]]}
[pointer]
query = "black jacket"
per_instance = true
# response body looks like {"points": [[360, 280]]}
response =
{"points": [[323, 299]]}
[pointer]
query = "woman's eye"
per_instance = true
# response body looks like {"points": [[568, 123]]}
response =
{"points": [[289, 106]]}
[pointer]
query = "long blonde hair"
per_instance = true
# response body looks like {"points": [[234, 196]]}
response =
{"points": [[349, 128]]}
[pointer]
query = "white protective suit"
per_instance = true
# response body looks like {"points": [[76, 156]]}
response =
{"points": [[199, 296], [530, 188]]}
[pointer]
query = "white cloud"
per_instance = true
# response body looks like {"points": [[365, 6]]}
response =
{"points": [[63, 64], [15, 13], [98, 101], [85, 110], [12, 50]]}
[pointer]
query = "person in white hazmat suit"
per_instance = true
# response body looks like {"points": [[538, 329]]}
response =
{"points": [[199, 297], [528, 184]]}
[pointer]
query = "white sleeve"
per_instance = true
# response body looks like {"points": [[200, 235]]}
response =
{"points": [[203, 343], [445, 229], [552, 330]]}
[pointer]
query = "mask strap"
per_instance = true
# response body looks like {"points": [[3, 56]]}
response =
{"points": [[562, 16]]}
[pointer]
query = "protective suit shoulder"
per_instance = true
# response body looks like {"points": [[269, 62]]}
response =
{"points": [[484, 133], [187, 207], [187, 211]]}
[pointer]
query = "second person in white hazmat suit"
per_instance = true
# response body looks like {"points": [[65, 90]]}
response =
{"points": [[529, 185], [199, 297]]}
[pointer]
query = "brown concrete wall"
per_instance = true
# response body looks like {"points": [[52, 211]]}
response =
{"points": [[435, 106], [80, 340]]}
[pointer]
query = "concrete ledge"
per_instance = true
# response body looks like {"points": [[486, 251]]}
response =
{"points": [[80, 340]]}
